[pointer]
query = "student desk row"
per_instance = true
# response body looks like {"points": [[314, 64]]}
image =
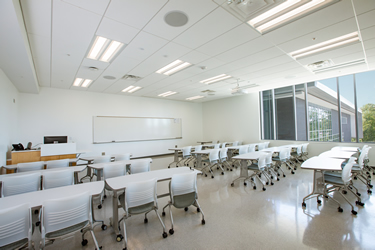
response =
{"points": [[14, 166]]}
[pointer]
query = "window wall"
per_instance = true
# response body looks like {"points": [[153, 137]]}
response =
{"points": [[340, 109]]}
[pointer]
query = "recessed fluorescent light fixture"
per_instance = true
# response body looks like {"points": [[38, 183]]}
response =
{"points": [[77, 82], [168, 93], [86, 83], [286, 12], [131, 89], [194, 97], [333, 43], [216, 79], [103, 49], [173, 67], [339, 66]]}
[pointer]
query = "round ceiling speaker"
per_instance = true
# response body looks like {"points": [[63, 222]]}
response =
{"points": [[176, 18]]}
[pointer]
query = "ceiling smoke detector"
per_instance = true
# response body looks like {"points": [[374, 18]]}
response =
{"points": [[131, 77], [319, 65]]}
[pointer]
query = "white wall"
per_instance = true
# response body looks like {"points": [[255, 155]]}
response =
{"points": [[67, 112], [232, 119], [8, 114]]}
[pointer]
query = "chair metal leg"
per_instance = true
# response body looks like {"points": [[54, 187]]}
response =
{"points": [[161, 222], [171, 231], [125, 236], [94, 239], [200, 210]]}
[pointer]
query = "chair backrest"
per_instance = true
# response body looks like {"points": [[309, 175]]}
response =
{"points": [[214, 155], [216, 146], [186, 151], [261, 146], [198, 148], [266, 144], [139, 166], [269, 159], [102, 159], [20, 184], [15, 224], [283, 154], [299, 150], [223, 153], [235, 143], [304, 148], [111, 170], [251, 148], [361, 158], [223, 145], [183, 184], [121, 157], [140, 193], [57, 163], [288, 152], [30, 166], [262, 161], [62, 213], [346, 174], [243, 149], [352, 160], [58, 178]]}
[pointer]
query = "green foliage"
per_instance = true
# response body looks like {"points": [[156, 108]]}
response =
{"points": [[368, 117]]}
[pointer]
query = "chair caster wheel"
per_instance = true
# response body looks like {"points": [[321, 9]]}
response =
{"points": [[359, 194], [245, 184], [222, 173], [354, 212], [100, 206], [84, 242], [252, 179], [344, 192], [295, 168], [292, 172], [104, 227], [169, 166], [205, 175], [267, 183], [186, 209], [105, 196], [278, 174], [271, 177], [165, 235], [171, 231], [212, 176], [303, 205], [278, 179], [232, 184], [231, 170], [355, 178], [369, 191], [163, 213], [125, 248], [99, 248], [198, 210], [264, 189], [340, 209], [360, 203], [272, 183], [370, 185], [319, 201], [254, 187], [284, 175], [145, 220], [203, 222]]}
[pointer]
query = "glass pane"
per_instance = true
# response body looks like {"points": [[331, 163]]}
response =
{"points": [[323, 110], [267, 115], [284, 107], [348, 131], [301, 112], [365, 83]]}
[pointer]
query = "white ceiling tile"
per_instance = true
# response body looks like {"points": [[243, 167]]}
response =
{"points": [[231, 39], [37, 15], [194, 9], [216, 23], [99, 85], [363, 6], [256, 58], [369, 44], [195, 57], [368, 33], [109, 28], [134, 13], [96, 6], [41, 47]]}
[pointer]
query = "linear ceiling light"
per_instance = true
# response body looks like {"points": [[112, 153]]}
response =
{"points": [[173, 67], [86, 83], [104, 49], [77, 82], [168, 93], [342, 65], [194, 97], [131, 89], [291, 9], [216, 79], [333, 43]]}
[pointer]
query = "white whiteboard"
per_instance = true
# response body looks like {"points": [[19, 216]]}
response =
{"points": [[107, 129]]}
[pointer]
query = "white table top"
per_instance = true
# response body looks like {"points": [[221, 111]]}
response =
{"points": [[273, 149], [202, 152], [120, 182], [14, 166], [323, 163], [337, 154], [352, 149], [128, 162], [250, 156], [76, 169], [36, 199]]}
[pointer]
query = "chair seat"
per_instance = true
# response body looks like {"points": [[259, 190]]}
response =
{"points": [[184, 200], [333, 174], [136, 210], [333, 180], [15, 245], [253, 167], [59, 233]]}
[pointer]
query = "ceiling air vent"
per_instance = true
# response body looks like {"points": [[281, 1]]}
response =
{"points": [[208, 92], [131, 78], [332, 66]]}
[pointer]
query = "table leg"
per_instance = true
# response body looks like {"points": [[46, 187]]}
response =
{"points": [[175, 158], [88, 175], [244, 174], [199, 161], [76, 178], [99, 173], [115, 213]]}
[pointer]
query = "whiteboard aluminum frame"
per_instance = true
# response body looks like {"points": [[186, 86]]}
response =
{"points": [[172, 138]]}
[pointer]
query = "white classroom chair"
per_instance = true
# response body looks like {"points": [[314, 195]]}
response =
{"points": [[58, 178], [30, 166], [57, 164], [139, 166], [121, 157], [13, 185]]}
